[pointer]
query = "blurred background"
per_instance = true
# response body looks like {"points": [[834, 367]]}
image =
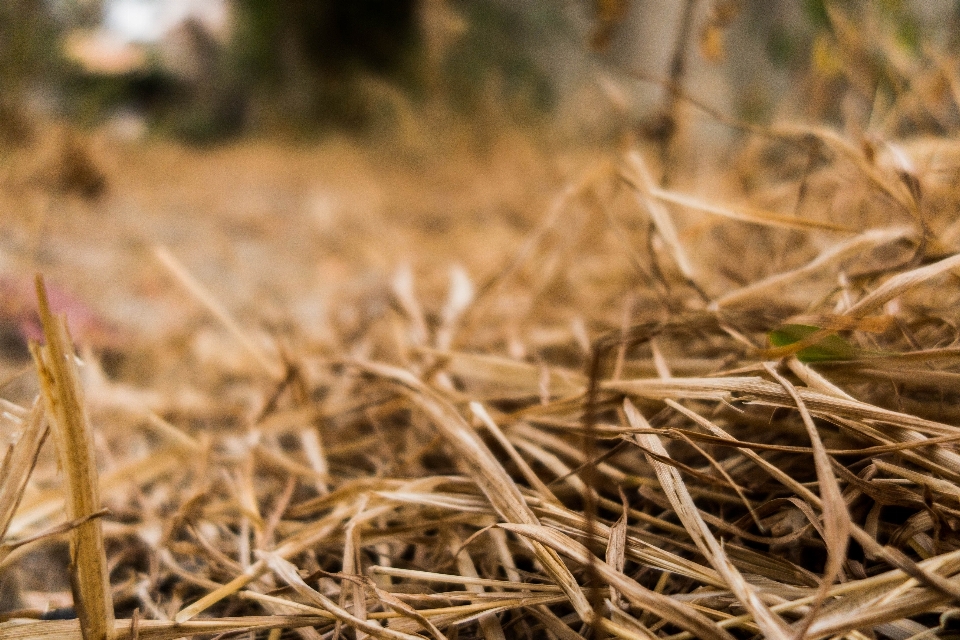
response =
{"points": [[208, 70], [295, 153]]}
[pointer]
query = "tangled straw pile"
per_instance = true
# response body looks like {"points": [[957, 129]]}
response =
{"points": [[661, 417]]}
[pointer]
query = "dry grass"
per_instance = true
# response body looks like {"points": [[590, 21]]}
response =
{"points": [[513, 394]]}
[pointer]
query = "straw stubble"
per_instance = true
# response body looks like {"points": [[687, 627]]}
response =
{"points": [[63, 396]]}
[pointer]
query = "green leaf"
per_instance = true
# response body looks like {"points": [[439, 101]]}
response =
{"points": [[831, 348]]}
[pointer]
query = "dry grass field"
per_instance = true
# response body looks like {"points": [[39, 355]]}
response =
{"points": [[359, 389]]}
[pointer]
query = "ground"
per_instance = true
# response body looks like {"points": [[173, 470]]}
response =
{"points": [[314, 364]]}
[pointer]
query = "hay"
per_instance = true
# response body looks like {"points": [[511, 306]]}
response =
{"points": [[540, 396]]}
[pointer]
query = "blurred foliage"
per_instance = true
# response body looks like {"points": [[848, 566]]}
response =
{"points": [[275, 39], [26, 30], [93, 95], [302, 57], [308, 66], [311, 60], [494, 54], [364, 65]]}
